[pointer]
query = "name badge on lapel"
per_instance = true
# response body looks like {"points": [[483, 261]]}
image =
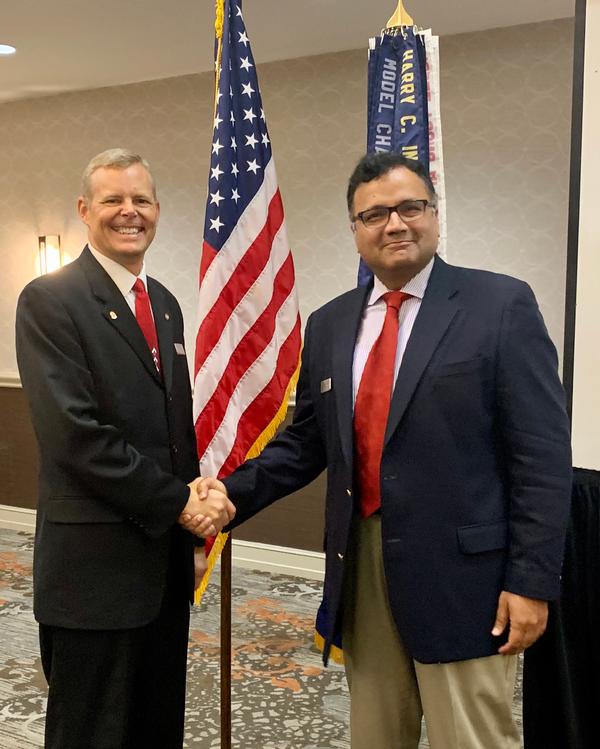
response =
{"points": [[179, 349], [326, 385]]}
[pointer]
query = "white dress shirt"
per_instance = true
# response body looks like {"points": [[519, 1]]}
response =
{"points": [[374, 315], [122, 278]]}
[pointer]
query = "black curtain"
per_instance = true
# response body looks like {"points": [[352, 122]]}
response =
{"points": [[561, 679]]}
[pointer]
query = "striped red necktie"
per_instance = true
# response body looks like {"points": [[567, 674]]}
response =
{"points": [[373, 404], [143, 314]]}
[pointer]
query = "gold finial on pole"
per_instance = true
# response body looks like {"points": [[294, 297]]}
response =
{"points": [[400, 18]]}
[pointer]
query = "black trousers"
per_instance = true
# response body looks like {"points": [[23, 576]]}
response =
{"points": [[119, 689], [561, 676]]}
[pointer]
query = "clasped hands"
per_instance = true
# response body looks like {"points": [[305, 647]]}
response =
{"points": [[208, 508]]}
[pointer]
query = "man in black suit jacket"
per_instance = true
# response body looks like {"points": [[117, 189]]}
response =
{"points": [[439, 573], [113, 568]]}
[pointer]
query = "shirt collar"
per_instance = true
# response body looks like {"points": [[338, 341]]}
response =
{"points": [[415, 287], [122, 278]]}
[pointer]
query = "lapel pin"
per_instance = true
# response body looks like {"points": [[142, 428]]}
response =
{"points": [[326, 385], [167, 316], [113, 315]]}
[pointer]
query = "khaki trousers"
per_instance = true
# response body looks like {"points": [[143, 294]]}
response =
{"points": [[466, 704]]}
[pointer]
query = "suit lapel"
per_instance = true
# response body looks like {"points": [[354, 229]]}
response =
{"points": [[164, 330], [347, 324], [116, 310], [438, 307]]}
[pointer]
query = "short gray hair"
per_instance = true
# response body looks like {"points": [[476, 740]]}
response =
{"points": [[113, 158]]}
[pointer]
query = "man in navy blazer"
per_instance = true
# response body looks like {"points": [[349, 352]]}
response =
{"points": [[437, 589], [113, 568]]}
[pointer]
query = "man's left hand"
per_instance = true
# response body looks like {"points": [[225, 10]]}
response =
{"points": [[526, 619]]}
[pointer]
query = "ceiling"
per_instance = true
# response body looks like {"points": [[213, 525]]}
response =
{"points": [[66, 45]]}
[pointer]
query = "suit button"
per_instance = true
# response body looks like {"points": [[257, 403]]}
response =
{"points": [[340, 556], [170, 398], [174, 448], [349, 492]]}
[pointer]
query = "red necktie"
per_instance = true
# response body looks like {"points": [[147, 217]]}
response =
{"points": [[373, 404], [143, 314]]}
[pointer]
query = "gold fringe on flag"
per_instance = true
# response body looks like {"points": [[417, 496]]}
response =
{"points": [[213, 558], [335, 653], [219, 20], [269, 432]]}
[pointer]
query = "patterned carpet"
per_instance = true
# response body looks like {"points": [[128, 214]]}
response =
{"points": [[282, 698]]}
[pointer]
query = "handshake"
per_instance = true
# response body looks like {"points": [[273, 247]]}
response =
{"points": [[208, 508]]}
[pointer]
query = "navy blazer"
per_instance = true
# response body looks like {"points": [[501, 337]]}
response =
{"points": [[476, 467], [117, 447]]}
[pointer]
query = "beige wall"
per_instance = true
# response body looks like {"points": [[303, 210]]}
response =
{"points": [[586, 389], [505, 117]]}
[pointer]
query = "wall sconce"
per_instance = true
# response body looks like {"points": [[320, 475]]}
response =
{"points": [[50, 255]]}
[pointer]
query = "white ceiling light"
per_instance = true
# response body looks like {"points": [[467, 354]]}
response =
{"points": [[6, 49]]}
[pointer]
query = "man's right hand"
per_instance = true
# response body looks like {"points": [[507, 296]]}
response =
{"points": [[208, 508]]}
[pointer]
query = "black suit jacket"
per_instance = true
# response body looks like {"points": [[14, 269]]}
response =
{"points": [[117, 447], [475, 473]]}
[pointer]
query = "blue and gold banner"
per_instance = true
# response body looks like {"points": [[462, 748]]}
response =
{"points": [[398, 118]]}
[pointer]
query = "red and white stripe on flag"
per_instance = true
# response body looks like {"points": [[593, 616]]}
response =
{"points": [[248, 340]]}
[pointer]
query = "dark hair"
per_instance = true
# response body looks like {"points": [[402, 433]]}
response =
{"points": [[374, 165]]}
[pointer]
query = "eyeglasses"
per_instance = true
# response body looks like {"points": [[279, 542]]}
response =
{"points": [[408, 210]]}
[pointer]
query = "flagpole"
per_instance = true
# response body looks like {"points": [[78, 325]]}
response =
{"points": [[226, 645], [226, 552]]}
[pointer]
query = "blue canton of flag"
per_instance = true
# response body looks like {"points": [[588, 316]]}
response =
{"points": [[241, 148]]}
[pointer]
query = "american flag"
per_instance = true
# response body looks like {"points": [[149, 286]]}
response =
{"points": [[248, 340]]}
